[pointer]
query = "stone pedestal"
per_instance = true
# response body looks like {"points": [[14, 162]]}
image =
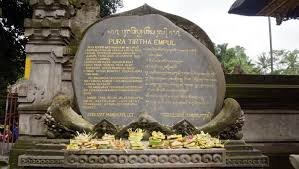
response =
{"points": [[160, 158], [40, 153]]}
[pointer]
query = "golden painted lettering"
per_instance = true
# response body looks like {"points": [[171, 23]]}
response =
{"points": [[139, 32], [112, 69], [110, 114], [139, 41], [164, 42], [116, 41]]}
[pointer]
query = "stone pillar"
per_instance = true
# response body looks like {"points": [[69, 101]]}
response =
{"points": [[54, 31]]}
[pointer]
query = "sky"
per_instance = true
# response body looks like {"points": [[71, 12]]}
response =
{"points": [[212, 16]]}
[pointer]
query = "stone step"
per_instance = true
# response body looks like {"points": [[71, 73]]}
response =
{"points": [[234, 142], [51, 146], [248, 161], [56, 144], [253, 152], [238, 147]]}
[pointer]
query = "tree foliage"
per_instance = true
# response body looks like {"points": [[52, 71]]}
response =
{"points": [[284, 62], [15, 11], [109, 7], [12, 41], [290, 61], [263, 64], [234, 60]]}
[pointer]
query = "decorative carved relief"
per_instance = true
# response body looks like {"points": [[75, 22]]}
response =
{"points": [[234, 131], [40, 14], [55, 129], [105, 127], [29, 92], [40, 161], [49, 3], [253, 162], [184, 127], [153, 158], [147, 123]]}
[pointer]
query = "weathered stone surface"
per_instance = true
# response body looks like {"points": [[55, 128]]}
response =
{"points": [[40, 161], [61, 111], [271, 125], [87, 12], [29, 124], [294, 159], [241, 155], [226, 119], [130, 65], [145, 159], [4, 161], [181, 22], [43, 153]]}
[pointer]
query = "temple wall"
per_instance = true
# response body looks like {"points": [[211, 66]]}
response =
{"points": [[271, 107]]}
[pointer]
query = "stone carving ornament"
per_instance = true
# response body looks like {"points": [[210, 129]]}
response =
{"points": [[61, 118], [151, 158]]}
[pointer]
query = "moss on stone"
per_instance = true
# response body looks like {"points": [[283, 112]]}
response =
{"points": [[75, 42], [48, 23], [35, 146], [37, 107], [13, 158], [18, 149], [74, 2]]}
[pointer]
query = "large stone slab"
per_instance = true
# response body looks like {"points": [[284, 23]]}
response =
{"points": [[129, 65]]}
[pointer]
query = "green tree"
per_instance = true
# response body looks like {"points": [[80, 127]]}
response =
{"points": [[12, 42], [220, 51], [284, 62], [277, 66], [290, 62], [263, 64], [109, 7], [234, 60]]}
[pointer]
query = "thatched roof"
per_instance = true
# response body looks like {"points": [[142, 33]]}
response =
{"points": [[282, 10]]}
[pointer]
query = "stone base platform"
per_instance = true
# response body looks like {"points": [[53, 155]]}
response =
{"points": [[44, 153], [160, 158]]}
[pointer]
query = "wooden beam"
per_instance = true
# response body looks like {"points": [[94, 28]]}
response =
{"points": [[273, 7], [279, 9]]}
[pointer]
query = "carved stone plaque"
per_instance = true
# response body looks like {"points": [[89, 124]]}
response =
{"points": [[129, 65]]}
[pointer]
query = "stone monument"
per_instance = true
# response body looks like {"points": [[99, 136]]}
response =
{"points": [[139, 69], [129, 65]]}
